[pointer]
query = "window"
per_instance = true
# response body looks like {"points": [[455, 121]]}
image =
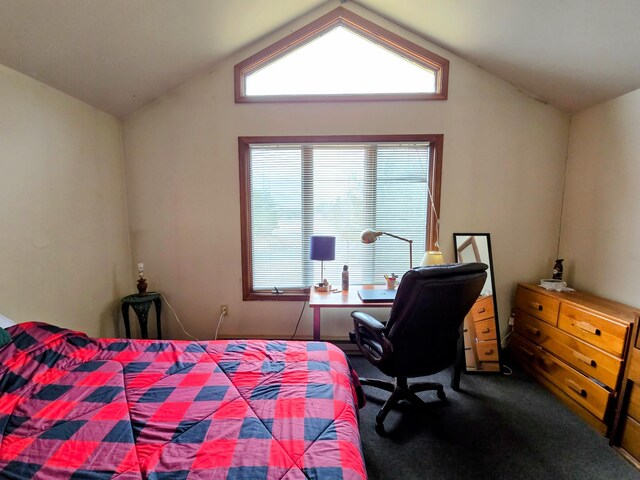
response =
{"points": [[342, 56], [295, 187]]}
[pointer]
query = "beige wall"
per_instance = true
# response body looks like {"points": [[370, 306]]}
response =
{"points": [[601, 219], [64, 253], [503, 173]]}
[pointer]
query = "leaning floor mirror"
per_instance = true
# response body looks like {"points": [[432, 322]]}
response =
{"points": [[481, 331]]}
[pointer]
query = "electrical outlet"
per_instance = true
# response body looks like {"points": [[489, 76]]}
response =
{"points": [[224, 310]]}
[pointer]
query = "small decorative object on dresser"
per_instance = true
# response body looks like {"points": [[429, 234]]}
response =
{"points": [[575, 344], [557, 269]]}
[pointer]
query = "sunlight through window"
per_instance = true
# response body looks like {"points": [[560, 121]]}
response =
{"points": [[340, 62], [341, 57]]}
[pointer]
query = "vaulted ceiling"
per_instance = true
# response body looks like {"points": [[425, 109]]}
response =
{"points": [[119, 55]]}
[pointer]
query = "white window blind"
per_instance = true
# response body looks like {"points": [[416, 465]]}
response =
{"points": [[297, 190]]}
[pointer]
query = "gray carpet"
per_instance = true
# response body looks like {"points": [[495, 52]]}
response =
{"points": [[496, 427]]}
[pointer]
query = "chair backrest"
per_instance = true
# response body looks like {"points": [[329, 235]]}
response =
{"points": [[425, 318]]}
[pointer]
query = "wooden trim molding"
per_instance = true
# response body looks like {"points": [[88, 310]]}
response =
{"points": [[435, 182], [248, 293], [373, 32]]}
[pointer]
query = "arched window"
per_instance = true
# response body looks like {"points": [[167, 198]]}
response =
{"points": [[341, 57]]}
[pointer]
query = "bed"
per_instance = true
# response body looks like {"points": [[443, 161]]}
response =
{"points": [[84, 408]]}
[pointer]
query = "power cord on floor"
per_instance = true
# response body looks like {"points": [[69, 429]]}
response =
{"points": [[299, 318], [177, 319], [506, 369]]}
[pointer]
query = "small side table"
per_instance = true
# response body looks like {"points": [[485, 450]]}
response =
{"points": [[141, 304]]}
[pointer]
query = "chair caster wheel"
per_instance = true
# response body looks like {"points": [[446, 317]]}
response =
{"points": [[380, 422]]}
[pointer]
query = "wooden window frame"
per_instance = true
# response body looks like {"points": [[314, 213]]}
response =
{"points": [[371, 31], [436, 142]]}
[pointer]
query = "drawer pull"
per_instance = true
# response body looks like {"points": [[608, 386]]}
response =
{"points": [[486, 330], [587, 327], [583, 358], [575, 387], [545, 361], [489, 351], [527, 352], [533, 330], [535, 306], [481, 310]]}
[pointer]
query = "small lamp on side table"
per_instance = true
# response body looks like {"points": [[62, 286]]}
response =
{"points": [[142, 282], [141, 303]]}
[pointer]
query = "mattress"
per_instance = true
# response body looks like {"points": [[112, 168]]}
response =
{"points": [[77, 407]]}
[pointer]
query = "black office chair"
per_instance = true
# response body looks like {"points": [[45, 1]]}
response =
{"points": [[421, 335]]}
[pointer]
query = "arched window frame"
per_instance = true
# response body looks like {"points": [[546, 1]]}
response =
{"points": [[375, 33]]}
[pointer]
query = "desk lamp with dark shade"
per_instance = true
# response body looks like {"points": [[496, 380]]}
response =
{"points": [[322, 247]]}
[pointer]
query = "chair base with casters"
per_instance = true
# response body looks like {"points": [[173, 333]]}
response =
{"points": [[401, 390], [422, 335]]}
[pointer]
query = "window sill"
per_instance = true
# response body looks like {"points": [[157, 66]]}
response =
{"points": [[287, 296]]}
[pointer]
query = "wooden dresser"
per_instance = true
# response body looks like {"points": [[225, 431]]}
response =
{"points": [[576, 344], [626, 430], [481, 340]]}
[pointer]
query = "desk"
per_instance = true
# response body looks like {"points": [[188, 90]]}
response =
{"points": [[344, 299], [141, 305]]}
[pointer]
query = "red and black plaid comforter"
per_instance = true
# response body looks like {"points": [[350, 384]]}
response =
{"points": [[83, 408]]}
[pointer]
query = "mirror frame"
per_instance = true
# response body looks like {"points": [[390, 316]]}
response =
{"points": [[457, 249]]}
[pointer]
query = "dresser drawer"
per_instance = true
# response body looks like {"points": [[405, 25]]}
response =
{"points": [[634, 368], [596, 330], [585, 392], [486, 329], [483, 309], [633, 408], [525, 352], [541, 306], [487, 351], [631, 437], [584, 357]]}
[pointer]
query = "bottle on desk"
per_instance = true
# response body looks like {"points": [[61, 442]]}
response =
{"points": [[345, 277]]}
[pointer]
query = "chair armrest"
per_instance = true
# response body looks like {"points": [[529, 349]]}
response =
{"points": [[370, 337], [364, 319]]}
